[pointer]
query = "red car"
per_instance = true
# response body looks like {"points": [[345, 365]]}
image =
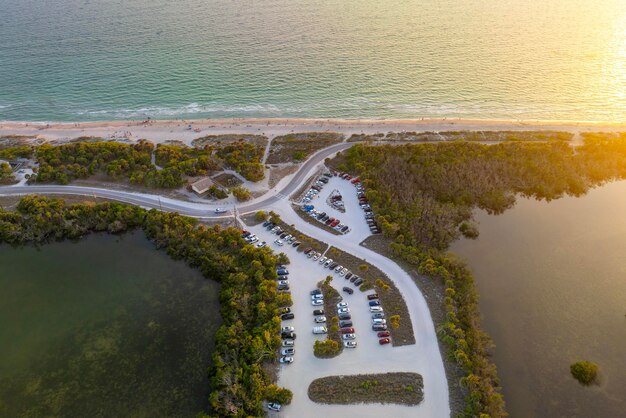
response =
{"points": [[347, 330], [384, 341], [334, 223], [383, 334]]}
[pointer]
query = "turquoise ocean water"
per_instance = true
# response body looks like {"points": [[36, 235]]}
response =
{"points": [[77, 60]]}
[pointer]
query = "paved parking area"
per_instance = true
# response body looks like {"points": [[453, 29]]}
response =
{"points": [[368, 357], [354, 216]]}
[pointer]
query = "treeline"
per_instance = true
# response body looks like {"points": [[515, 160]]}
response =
{"points": [[424, 195], [249, 335], [133, 162]]}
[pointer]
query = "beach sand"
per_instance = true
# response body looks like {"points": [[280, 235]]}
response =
{"points": [[159, 131]]}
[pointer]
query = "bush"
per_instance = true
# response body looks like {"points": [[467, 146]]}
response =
{"points": [[586, 372], [241, 193], [326, 348], [260, 216], [395, 321], [274, 393]]}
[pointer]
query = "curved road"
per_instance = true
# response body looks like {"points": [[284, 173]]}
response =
{"points": [[196, 210]]}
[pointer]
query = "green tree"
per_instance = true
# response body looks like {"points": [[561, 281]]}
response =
{"points": [[586, 372]]}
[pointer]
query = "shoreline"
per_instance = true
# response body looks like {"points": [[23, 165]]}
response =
{"points": [[178, 129]]}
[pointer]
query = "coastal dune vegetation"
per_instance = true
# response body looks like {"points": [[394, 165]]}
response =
{"points": [[424, 195], [246, 343]]}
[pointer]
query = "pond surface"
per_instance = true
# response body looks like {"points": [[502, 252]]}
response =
{"points": [[104, 327], [552, 280]]}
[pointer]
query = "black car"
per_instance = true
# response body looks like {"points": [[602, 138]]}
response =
{"points": [[345, 324], [283, 235], [344, 229], [321, 215], [325, 218], [316, 292], [296, 244], [333, 265], [379, 327], [348, 290], [348, 276], [288, 335], [358, 282], [353, 278], [245, 234], [345, 316], [266, 223], [283, 287], [323, 180], [307, 250], [374, 302], [286, 316], [318, 312], [271, 225]]}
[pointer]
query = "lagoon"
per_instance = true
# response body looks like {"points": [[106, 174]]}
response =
{"points": [[552, 284], [106, 326]]}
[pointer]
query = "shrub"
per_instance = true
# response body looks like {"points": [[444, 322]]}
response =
{"points": [[241, 193], [395, 321], [260, 216], [586, 372], [326, 348]]}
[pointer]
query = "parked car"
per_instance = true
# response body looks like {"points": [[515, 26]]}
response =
{"points": [[316, 256], [358, 282], [376, 309], [348, 275], [348, 290], [372, 296], [287, 316], [343, 310], [323, 260], [343, 272], [342, 305], [283, 235], [287, 329], [283, 282], [345, 229], [349, 344], [378, 315], [328, 262], [261, 244], [347, 330], [320, 330], [383, 334], [379, 327], [288, 335], [282, 272], [288, 351], [353, 278], [307, 250], [311, 254], [274, 406], [377, 321], [288, 343], [345, 316], [317, 296], [318, 312], [384, 341], [374, 302], [286, 359], [316, 292], [338, 268], [349, 336], [296, 244], [333, 265], [279, 243], [345, 324], [319, 319], [317, 302]]}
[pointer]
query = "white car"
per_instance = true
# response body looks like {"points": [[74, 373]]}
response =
{"points": [[343, 310], [261, 244], [278, 242], [274, 406], [283, 282], [288, 351], [288, 343], [219, 210], [320, 319], [343, 272], [316, 256], [379, 321], [286, 359], [342, 305], [317, 296], [338, 268], [317, 302], [253, 240], [287, 329], [349, 344], [328, 262], [320, 330], [376, 309], [349, 336], [323, 260]]}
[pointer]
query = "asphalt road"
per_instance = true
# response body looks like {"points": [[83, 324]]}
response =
{"points": [[196, 210]]}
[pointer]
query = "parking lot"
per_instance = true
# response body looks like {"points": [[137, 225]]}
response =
{"points": [[368, 357], [353, 217]]}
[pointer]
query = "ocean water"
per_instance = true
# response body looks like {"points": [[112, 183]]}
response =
{"points": [[78, 60]]}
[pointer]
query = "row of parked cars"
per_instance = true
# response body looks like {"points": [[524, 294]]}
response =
{"points": [[334, 266], [379, 323], [348, 335], [326, 219], [287, 333], [284, 238], [363, 202], [316, 188]]}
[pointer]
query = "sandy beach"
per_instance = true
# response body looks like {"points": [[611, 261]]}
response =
{"points": [[164, 130]]}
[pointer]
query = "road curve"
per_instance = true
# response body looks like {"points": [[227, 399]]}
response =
{"points": [[196, 210]]}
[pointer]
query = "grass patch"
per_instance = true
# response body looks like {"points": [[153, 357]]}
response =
{"points": [[399, 388], [227, 180], [299, 146], [390, 297]]}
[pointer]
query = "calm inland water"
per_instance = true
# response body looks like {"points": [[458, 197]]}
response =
{"points": [[552, 280], [103, 327]]}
